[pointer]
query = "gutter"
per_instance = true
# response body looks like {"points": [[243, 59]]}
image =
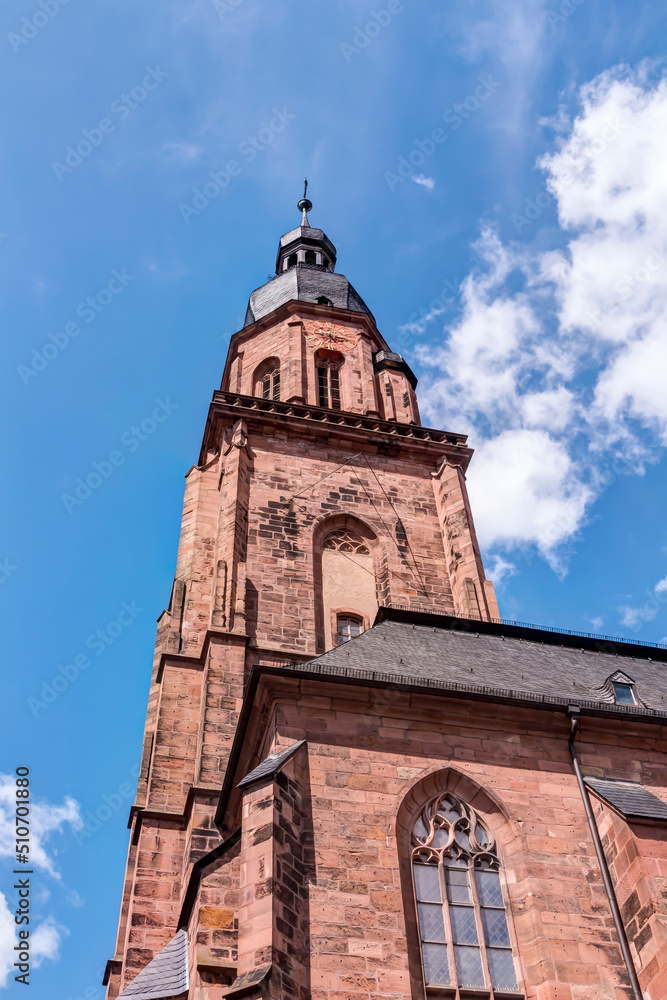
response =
{"points": [[573, 714]]}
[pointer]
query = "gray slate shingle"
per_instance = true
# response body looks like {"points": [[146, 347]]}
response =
{"points": [[396, 651], [167, 975], [270, 765], [631, 799]]}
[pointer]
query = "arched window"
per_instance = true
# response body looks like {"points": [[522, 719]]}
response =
{"points": [[345, 581], [328, 384], [322, 300], [465, 941], [310, 257], [267, 379], [292, 260], [349, 626]]}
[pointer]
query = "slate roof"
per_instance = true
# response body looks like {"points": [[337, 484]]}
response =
{"points": [[630, 798], [167, 975], [306, 283], [271, 765], [487, 659]]}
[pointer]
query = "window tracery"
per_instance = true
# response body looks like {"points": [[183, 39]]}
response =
{"points": [[460, 907], [344, 540]]}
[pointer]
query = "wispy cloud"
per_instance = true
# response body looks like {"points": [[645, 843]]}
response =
{"points": [[554, 365], [45, 820], [427, 182]]}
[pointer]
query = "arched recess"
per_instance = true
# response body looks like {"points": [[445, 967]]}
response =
{"points": [[266, 379], [463, 796], [346, 558], [329, 379]]}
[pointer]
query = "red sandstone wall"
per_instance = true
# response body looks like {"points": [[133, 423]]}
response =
{"points": [[369, 750]]}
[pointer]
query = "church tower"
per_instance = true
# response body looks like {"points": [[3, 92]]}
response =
{"points": [[316, 713]]}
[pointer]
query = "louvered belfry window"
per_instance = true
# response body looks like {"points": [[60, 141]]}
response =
{"points": [[328, 384], [271, 384], [463, 927]]}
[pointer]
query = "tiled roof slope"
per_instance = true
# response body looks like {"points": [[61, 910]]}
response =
{"points": [[523, 669], [630, 798], [166, 975], [270, 765]]}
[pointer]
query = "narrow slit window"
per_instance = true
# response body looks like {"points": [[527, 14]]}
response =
{"points": [[461, 915]]}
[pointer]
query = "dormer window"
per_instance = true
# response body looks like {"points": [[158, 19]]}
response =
{"points": [[624, 693], [621, 689], [322, 300]]}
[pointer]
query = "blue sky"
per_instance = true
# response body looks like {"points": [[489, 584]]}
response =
{"points": [[518, 266]]}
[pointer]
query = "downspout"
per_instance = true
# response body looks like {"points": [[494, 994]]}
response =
{"points": [[573, 713]]}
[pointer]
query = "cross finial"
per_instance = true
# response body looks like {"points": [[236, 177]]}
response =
{"points": [[305, 205]]}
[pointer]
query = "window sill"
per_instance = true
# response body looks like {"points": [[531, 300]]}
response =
{"points": [[471, 993]]}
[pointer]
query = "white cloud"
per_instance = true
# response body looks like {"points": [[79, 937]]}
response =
{"points": [[555, 363], [633, 617], [500, 568], [526, 491], [45, 819], [45, 942], [7, 941], [596, 624], [427, 182]]}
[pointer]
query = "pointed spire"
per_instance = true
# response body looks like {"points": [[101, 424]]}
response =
{"points": [[305, 205]]}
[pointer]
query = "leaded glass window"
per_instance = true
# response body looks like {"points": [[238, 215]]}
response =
{"points": [[461, 913]]}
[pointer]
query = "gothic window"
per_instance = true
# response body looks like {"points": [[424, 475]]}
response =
{"points": [[328, 384], [348, 628], [346, 541], [461, 914], [267, 379], [344, 580]]}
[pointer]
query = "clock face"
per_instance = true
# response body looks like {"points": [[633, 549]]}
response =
{"points": [[330, 336]]}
